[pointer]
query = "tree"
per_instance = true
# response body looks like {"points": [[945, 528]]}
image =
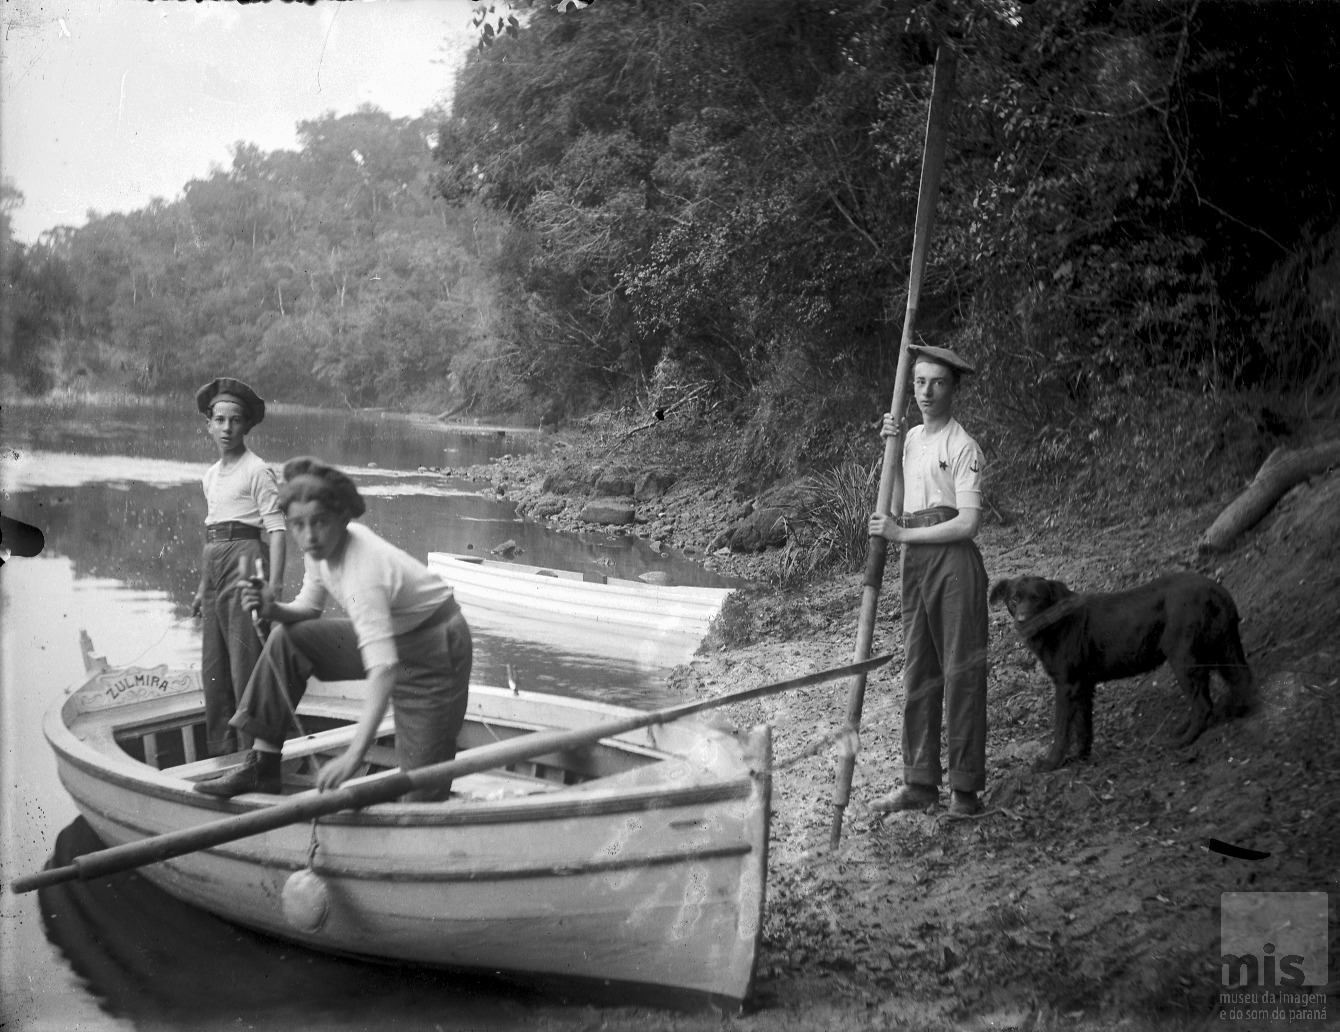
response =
{"points": [[38, 299], [728, 187], [331, 267]]}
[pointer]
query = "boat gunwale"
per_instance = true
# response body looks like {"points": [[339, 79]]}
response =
{"points": [[700, 593], [518, 809], [591, 797]]}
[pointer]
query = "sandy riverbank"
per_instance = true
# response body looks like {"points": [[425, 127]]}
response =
{"points": [[1083, 898]]}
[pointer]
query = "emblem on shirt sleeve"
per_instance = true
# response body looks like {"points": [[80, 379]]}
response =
{"points": [[975, 466], [943, 464]]}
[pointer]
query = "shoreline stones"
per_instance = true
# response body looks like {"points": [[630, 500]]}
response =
{"points": [[618, 512]]}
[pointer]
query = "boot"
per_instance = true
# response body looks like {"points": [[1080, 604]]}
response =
{"points": [[259, 773], [909, 797]]}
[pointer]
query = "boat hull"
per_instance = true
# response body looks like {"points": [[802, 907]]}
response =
{"points": [[650, 876], [604, 604]]}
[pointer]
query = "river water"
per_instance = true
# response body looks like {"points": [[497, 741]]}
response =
{"points": [[116, 492]]}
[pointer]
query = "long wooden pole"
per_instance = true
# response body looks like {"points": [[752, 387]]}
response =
{"points": [[391, 785], [891, 474]]}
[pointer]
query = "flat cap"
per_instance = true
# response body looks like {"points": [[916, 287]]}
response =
{"points": [[942, 355], [226, 388]]}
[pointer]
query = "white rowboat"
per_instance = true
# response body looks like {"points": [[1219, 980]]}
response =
{"points": [[639, 860], [597, 602]]}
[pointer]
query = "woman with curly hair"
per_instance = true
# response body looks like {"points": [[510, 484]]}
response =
{"points": [[404, 633]]}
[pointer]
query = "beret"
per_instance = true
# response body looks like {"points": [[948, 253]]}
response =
{"points": [[942, 355], [235, 390], [310, 480]]}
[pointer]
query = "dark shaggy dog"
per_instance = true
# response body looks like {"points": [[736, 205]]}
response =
{"points": [[1082, 639]]}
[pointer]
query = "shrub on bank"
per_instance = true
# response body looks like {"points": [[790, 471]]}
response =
{"points": [[1132, 452]]}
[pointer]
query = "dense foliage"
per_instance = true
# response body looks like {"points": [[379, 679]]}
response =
{"points": [[708, 207], [724, 192], [330, 273], [36, 302]]}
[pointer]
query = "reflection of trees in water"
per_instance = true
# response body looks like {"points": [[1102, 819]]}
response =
{"points": [[149, 538], [175, 430], [152, 538], [392, 443], [146, 432]]}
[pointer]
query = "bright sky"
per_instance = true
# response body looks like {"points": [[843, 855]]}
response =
{"points": [[106, 104]]}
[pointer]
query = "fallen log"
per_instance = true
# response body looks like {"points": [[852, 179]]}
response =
{"points": [[1283, 469], [456, 409]]}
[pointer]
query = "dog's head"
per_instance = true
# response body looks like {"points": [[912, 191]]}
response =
{"points": [[1026, 597]]}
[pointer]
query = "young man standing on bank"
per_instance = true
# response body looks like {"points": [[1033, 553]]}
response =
{"points": [[944, 588]]}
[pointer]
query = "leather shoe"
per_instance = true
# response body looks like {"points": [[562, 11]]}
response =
{"points": [[964, 804], [909, 797], [259, 773]]}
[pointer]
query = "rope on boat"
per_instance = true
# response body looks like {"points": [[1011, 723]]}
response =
{"points": [[168, 630], [311, 849]]}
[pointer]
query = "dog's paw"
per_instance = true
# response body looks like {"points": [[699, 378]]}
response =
{"points": [[1191, 730], [1046, 763]]}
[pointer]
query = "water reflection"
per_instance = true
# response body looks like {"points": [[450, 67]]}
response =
{"points": [[167, 965], [149, 538], [122, 499], [172, 431]]}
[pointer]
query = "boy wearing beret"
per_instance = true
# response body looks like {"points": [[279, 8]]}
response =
{"points": [[242, 499], [944, 588]]}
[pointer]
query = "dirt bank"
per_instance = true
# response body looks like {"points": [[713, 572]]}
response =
{"points": [[1084, 898]]}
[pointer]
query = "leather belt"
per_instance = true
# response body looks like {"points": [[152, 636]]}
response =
{"points": [[928, 517], [231, 532], [440, 615]]}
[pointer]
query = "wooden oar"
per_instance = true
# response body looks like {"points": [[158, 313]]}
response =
{"points": [[381, 788], [891, 474]]}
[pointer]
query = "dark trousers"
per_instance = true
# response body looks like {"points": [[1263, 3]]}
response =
{"points": [[945, 665], [230, 645], [428, 699]]}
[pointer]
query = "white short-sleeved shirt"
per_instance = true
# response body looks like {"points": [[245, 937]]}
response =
{"points": [[245, 492], [384, 590], [943, 468]]}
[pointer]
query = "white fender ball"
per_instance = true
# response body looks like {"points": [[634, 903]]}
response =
{"points": [[306, 900]]}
